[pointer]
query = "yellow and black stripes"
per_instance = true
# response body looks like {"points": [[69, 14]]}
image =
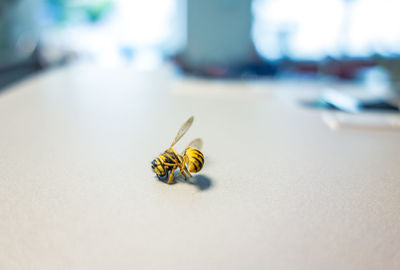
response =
{"points": [[166, 163], [158, 166], [194, 159]]}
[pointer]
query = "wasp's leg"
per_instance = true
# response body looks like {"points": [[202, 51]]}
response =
{"points": [[174, 160], [182, 162], [185, 161], [184, 174], [180, 165], [177, 155], [171, 176], [187, 171], [170, 164], [182, 171]]}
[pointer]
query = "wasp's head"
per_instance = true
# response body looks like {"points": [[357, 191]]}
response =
{"points": [[158, 169]]}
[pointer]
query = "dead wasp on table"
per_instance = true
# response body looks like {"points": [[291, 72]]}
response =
{"points": [[190, 161]]}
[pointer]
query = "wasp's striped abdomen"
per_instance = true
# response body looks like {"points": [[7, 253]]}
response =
{"points": [[194, 159]]}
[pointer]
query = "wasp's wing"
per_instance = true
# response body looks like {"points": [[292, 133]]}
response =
{"points": [[183, 130], [196, 143]]}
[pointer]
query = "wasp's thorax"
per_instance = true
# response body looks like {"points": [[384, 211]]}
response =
{"points": [[165, 162]]}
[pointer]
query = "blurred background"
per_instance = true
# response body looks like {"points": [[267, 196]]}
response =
{"points": [[353, 40]]}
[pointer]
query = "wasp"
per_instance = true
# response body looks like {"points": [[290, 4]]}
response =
{"points": [[190, 161]]}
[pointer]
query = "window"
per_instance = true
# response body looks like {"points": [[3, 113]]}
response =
{"points": [[314, 29]]}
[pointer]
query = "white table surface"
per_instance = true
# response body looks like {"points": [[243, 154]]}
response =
{"points": [[279, 189]]}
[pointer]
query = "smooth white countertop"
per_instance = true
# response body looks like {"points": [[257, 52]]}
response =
{"points": [[279, 189]]}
